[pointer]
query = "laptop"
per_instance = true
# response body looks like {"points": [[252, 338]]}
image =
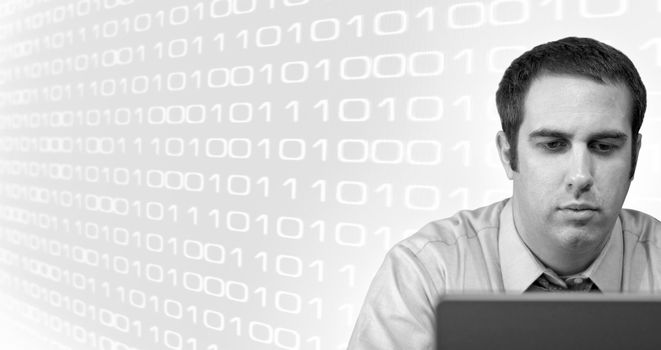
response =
{"points": [[555, 321]]}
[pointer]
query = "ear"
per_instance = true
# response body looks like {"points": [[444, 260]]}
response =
{"points": [[504, 153], [634, 161]]}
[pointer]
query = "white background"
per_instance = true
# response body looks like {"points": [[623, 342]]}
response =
{"points": [[228, 174]]}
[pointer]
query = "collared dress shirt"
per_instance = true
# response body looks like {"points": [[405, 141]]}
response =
{"points": [[480, 251]]}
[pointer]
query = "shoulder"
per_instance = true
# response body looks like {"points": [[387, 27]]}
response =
{"points": [[644, 226], [462, 226], [435, 254]]}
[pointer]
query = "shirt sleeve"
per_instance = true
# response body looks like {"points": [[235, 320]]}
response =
{"points": [[398, 312]]}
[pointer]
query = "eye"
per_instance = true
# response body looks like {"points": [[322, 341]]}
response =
{"points": [[604, 147], [555, 145]]}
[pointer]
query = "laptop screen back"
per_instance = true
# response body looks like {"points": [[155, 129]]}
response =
{"points": [[549, 321]]}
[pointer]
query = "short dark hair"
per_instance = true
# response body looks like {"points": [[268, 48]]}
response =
{"points": [[573, 56]]}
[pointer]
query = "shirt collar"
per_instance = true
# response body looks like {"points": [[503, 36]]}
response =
{"points": [[520, 268], [606, 270]]}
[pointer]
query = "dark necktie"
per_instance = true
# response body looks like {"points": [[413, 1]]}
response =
{"points": [[542, 284]]}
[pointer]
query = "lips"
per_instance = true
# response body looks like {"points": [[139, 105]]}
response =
{"points": [[579, 212], [579, 207]]}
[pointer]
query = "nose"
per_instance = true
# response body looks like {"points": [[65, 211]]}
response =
{"points": [[579, 176]]}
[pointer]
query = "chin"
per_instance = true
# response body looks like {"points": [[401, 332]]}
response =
{"points": [[579, 239]]}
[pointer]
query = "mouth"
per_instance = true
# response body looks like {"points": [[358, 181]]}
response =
{"points": [[579, 207], [579, 211]]}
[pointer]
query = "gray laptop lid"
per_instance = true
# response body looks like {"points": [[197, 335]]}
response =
{"points": [[549, 321]]}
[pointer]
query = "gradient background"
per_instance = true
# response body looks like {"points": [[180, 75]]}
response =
{"points": [[228, 174]]}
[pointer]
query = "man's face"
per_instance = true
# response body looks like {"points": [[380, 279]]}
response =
{"points": [[574, 158]]}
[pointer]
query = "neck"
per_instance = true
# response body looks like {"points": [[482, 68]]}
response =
{"points": [[563, 259], [565, 266]]}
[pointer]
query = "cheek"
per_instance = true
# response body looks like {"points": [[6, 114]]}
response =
{"points": [[540, 178], [616, 172], [536, 191], [614, 184], [536, 167]]}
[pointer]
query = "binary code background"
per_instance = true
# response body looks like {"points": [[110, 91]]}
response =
{"points": [[228, 174]]}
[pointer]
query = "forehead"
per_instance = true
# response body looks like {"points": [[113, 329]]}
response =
{"points": [[576, 103]]}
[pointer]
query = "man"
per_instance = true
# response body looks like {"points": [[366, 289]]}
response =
{"points": [[570, 111]]}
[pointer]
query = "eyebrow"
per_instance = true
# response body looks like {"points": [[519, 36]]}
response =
{"points": [[606, 134]]}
